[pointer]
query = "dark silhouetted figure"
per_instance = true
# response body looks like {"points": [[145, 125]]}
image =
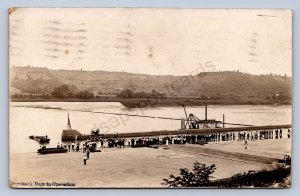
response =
{"points": [[84, 159]]}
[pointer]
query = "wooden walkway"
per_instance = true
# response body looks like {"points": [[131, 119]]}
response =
{"points": [[195, 131]]}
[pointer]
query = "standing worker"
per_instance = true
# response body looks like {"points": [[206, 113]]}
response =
{"points": [[246, 144], [77, 148], [84, 159], [88, 153]]}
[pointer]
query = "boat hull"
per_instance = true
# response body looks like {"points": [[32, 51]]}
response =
{"points": [[51, 150]]}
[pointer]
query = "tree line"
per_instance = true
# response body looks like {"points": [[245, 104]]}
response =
{"points": [[128, 93], [64, 91]]}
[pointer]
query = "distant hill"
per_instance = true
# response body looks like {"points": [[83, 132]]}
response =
{"points": [[29, 80]]}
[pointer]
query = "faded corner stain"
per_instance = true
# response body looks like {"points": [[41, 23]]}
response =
{"points": [[11, 10]]}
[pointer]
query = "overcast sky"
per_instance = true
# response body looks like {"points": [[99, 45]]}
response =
{"points": [[152, 41]]}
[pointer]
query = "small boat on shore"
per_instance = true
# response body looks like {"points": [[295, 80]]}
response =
{"points": [[40, 139], [45, 150]]}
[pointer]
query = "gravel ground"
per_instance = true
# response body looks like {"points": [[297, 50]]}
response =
{"points": [[129, 167]]}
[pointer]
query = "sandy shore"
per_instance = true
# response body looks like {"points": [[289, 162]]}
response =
{"points": [[129, 167]]}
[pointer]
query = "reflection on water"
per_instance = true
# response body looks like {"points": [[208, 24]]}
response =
{"points": [[30, 120]]}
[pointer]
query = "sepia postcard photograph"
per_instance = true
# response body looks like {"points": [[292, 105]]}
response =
{"points": [[150, 98]]}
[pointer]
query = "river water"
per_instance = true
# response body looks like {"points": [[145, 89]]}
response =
{"points": [[29, 118]]}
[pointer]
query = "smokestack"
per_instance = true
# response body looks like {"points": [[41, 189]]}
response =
{"points": [[223, 120], [205, 112], [69, 123]]}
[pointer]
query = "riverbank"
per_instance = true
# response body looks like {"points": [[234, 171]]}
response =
{"points": [[131, 167], [157, 102]]}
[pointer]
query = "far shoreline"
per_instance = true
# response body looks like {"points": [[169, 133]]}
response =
{"points": [[158, 102]]}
